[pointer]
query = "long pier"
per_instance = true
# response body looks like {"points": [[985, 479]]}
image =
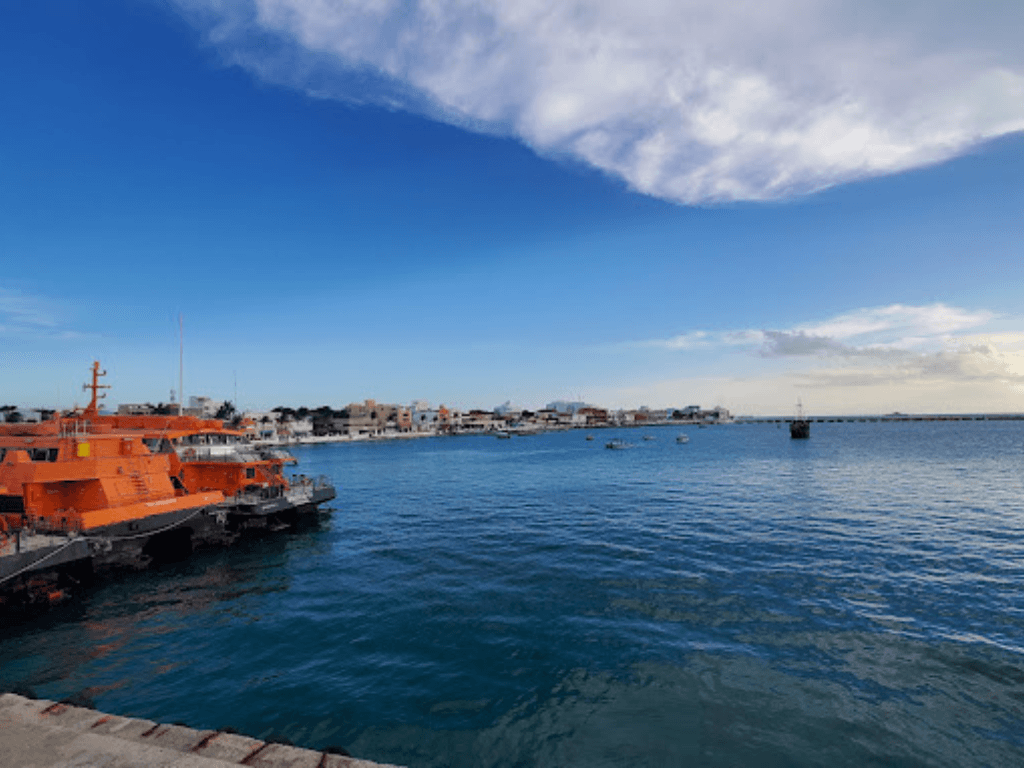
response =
{"points": [[892, 417], [48, 734]]}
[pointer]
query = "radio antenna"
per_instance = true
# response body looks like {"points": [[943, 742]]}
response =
{"points": [[181, 363]]}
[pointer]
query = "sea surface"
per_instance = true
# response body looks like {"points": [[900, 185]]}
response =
{"points": [[855, 599]]}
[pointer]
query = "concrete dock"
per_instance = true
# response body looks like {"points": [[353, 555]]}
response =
{"points": [[36, 733]]}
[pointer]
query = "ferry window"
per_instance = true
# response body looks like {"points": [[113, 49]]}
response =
{"points": [[3, 452], [250, 472]]}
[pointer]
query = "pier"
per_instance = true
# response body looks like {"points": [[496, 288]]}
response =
{"points": [[48, 734], [888, 418]]}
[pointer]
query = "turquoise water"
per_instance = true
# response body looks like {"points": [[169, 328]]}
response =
{"points": [[744, 599]]}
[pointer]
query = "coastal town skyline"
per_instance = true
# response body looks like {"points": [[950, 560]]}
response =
{"points": [[654, 204]]}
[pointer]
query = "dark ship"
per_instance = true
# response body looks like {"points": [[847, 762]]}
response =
{"points": [[800, 427]]}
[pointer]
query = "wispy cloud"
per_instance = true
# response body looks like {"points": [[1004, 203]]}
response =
{"points": [[22, 311], [930, 358], [702, 340], [873, 331], [878, 332], [976, 373], [26, 315], [689, 100], [962, 364]]}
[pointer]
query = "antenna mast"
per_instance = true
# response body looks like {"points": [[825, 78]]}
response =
{"points": [[181, 363], [95, 386]]}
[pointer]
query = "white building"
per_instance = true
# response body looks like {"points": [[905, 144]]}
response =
{"points": [[203, 407]]}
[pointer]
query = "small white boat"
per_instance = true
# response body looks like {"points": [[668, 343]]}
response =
{"points": [[648, 437], [590, 437], [617, 443], [503, 435], [682, 438]]}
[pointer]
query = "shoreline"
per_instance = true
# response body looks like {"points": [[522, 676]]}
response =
{"points": [[746, 421]]}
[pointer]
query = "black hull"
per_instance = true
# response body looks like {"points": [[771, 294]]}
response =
{"points": [[800, 429], [269, 510], [45, 573]]}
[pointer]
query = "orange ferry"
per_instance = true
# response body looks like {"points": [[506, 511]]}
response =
{"points": [[207, 456], [117, 490]]}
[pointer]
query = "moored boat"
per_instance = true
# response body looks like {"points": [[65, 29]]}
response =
{"points": [[86, 496], [617, 444], [93, 491], [800, 427], [207, 456]]}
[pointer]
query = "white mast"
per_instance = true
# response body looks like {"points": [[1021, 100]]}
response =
{"points": [[181, 363]]}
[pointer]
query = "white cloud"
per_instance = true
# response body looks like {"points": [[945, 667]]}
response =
{"points": [[841, 391], [689, 100], [932, 358], [898, 324], [703, 340], [25, 315], [873, 331], [22, 312]]}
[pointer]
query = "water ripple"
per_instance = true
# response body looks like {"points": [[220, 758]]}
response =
{"points": [[744, 599]]}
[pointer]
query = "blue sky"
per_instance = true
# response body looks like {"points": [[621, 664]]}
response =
{"points": [[646, 203]]}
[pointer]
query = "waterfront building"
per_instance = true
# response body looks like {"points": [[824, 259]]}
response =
{"points": [[136, 409], [203, 407], [478, 421], [593, 415], [403, 418], [425, 421]]}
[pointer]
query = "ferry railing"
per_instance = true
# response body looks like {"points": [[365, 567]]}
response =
{"points": [[313, 483], [233, 456], [277, 453], [74, 428]]}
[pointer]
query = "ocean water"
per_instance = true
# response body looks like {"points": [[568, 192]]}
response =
{"points": [[855, 599]]}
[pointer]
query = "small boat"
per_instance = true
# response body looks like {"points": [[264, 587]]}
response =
{"points": [[617, 443], [682, 438], [800, 427], [648, 437], [503, 435], [590, 437]]}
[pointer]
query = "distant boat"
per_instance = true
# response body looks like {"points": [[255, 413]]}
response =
{"points": [[648, 437], [800, 427], [590, 437], [503, 435], [617, 443], [682, 439]]}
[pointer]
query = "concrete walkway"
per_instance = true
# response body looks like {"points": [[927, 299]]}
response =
{"points": [[43, 734]]}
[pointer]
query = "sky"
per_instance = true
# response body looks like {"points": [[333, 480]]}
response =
{"points": [[647, 203]]}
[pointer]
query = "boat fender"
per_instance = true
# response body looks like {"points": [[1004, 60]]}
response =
{"points": [[100, 544]]}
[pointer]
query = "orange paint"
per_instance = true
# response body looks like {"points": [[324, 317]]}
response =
{"points": [[89, 470]]}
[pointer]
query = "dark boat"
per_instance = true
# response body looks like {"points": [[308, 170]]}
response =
{"points": [[800, 427]]}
